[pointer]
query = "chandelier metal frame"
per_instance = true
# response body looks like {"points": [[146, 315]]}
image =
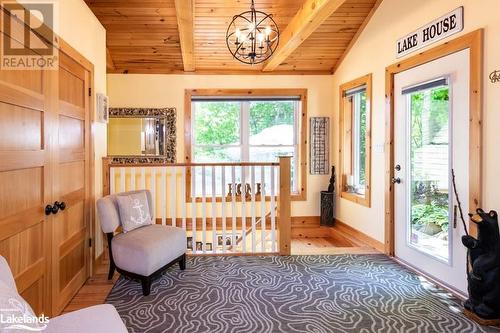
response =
{"points": [[256, 42]]}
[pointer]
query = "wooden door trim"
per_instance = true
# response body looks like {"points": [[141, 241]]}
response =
{"points": [[473, 41]]}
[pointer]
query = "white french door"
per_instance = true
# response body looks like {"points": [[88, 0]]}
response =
{"points": [[431, 137]]}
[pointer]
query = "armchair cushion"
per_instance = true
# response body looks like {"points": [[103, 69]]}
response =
{"points": [[145, 250], [134, 211], [107, 210], [96, 319]]}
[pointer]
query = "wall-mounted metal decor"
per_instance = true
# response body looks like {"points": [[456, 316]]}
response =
{"points": [[319, 145], [495, 77], [152, 135]]}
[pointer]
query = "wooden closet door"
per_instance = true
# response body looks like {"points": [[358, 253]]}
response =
{"points": [[26, 129], [70, 265]]}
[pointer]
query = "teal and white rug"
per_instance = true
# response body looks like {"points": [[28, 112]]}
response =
{"points": [[345, 293]]}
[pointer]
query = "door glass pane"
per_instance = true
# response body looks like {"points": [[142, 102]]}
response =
{"points": [[430, 171]]}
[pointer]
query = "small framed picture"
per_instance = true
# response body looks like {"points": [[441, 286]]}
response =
{"points": [[190, 243], [208, 247], [199, 246], [228, 241]]}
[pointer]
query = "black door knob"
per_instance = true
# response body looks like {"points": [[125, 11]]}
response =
{"points": [[48, 210], [55, 208], [61, 205], [396, 180]]}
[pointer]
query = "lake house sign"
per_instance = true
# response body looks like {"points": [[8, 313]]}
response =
{"points": [[433, 32]]}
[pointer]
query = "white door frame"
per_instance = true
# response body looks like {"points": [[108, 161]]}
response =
{"points": [[474, 42]]}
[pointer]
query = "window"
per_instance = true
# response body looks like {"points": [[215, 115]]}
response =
{"points": [[355, 123], [232, 128]]}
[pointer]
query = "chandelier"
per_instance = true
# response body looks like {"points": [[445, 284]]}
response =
{"points": [[252, 36]]}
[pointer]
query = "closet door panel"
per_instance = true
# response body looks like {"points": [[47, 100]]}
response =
{"points": [[71, 226], [25, 178]]}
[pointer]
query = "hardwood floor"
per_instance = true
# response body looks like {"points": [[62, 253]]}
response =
{"points": [[338, 243], [97, 288]]}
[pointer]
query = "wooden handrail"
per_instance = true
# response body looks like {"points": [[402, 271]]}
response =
{"points": [[228, 164], [107, 164]]}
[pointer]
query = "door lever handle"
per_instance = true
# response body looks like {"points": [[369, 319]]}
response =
{"points": [[396, 180]]}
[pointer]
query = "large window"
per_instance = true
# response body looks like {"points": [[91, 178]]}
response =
{"points": [[355, 140], [232, 128]]}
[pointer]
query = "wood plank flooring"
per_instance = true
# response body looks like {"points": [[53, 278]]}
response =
{"points": [[97, 288]]}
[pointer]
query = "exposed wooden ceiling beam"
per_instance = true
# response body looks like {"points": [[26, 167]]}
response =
{"points": [[309, 17], [185, 20], [110, 65], [356, 36]]}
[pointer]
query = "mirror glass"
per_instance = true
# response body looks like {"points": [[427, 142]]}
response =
{"points": [[136, 136]]}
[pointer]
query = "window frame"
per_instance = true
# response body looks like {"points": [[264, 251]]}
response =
{"points": [[347, 142], [301, 123]]}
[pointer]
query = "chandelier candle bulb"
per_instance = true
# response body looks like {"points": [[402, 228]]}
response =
{"points": [[260, 37]]}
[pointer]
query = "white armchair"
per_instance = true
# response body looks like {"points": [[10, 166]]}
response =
{"points": [[96, 319], [143, 253]]}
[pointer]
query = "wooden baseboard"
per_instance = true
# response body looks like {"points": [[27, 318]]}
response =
{"points": [[309, 227], [356, 234]]}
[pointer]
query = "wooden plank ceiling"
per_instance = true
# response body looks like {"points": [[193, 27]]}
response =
{"points": [[158, 37]]}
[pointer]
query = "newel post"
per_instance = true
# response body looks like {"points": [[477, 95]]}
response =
{"points": [[284, 207], [106, 161]]}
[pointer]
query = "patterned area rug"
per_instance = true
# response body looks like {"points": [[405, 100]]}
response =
{"points": [[345, 293]]}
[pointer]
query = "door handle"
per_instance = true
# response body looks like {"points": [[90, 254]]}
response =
{"points": [[51, 209], [396, 180], [55, 208], [61, 205]]}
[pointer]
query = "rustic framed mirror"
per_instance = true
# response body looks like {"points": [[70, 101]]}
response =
{"points": [[142, 132]]}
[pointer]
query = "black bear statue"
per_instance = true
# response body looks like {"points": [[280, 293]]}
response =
{"points": [[483, 267]]}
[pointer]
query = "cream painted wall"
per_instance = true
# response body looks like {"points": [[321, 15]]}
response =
{"points": [[80, 28], [168, 91], [375, 50]]}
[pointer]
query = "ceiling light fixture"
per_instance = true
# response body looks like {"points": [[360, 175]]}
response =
{"points": [[252, 36]]}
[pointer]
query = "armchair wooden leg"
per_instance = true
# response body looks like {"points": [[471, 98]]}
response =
{"points": [[182, 263], [111, 270], [146, 286]]}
